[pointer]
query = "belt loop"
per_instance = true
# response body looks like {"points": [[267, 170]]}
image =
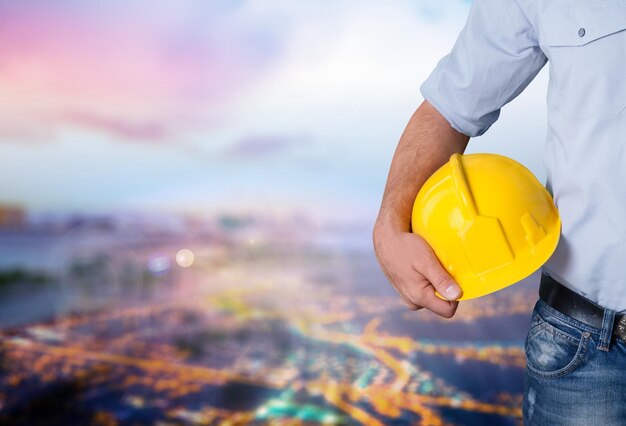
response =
{"points": [[607, 330]]}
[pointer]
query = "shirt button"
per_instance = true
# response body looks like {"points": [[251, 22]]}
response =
{"points": [[581, 32]]}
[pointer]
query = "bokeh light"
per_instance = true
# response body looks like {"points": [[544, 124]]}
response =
{"points": [[184, 258], [159, 265]]}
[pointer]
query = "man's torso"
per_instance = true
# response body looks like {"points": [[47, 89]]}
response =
{"points": [[585, 154]]}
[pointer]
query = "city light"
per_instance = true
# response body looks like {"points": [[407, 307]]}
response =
{"points": [[158, 265], [184, 258]]}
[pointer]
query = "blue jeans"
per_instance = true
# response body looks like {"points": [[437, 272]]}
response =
{"points": [[575, 374]]}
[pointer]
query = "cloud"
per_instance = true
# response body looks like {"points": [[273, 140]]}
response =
{"points": [[129, 69], [262, 146], [152, 131]]}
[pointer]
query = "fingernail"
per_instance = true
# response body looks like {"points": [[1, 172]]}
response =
{"points": [[452, 292]]}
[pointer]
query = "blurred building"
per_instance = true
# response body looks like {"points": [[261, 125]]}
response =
{"points": [[12, 217]]}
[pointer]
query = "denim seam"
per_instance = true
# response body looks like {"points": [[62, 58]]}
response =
{"points": [[550, 328], [571, 366]]}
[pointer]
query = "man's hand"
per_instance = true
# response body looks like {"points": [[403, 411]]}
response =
{"points": [[406, 258], [415, 272]]}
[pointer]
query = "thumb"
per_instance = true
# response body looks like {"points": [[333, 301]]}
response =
{"points": [[439, 277]]}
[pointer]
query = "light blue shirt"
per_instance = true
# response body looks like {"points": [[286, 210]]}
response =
{"points": [[500, 50]]}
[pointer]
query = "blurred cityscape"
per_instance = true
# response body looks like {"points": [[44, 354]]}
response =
{"points": [[237, 319], [187, 195]]}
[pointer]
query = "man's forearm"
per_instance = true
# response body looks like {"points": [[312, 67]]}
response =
{"points": [[427, 142]]}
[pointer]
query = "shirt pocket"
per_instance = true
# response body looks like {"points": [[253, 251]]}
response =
{"points": [[586, 47]]}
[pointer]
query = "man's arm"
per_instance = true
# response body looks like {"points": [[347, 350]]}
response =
{"points": [[407, 260]]}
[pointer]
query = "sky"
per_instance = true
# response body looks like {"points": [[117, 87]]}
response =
{"points": [[238, 105]]}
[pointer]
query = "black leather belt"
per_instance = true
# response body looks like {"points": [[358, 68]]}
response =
{"points": [[576, 306]]}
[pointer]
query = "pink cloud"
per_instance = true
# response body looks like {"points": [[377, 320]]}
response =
{"points": [[135, 71], [123, 129]]}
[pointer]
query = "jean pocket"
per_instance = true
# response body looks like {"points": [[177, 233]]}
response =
{"points": [[553, 350]]}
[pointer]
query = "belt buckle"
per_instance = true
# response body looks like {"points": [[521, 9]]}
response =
{"points": [[621, 328]]}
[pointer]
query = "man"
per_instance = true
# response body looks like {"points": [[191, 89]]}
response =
{"points": [[576, 355]]}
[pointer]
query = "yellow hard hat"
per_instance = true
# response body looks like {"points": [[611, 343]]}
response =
{"points": [[490, 222]]}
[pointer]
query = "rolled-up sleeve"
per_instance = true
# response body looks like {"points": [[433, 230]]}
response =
{"points": [[494, 58]]}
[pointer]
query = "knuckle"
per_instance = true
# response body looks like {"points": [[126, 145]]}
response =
{"points": [[440, 281], [404, 296], [418, 263], [418, 296]]}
